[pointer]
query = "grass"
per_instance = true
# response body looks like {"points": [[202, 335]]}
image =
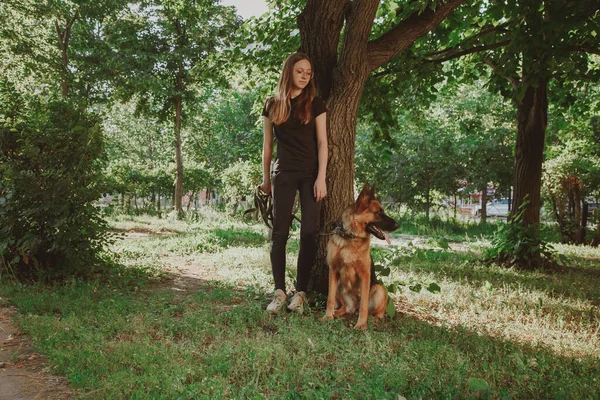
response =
{"points": [[185, 320], [464, 227]]}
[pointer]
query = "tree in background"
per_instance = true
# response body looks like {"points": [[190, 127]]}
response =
{"points": [[57, 43], [572, 168], [162, 52], [527, 44], [462, 138], [225, 129], [140, 156]]}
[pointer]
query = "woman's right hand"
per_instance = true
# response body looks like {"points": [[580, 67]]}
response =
{"points": [[265, 186]]}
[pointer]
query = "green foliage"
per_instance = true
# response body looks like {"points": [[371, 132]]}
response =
{"points": [[394, 257], [226, 129], [520, 245], [46, 44], [50, 173], [416, 223], [435, 152], [569, 178], [164, 50], [571, 172], [239, 181], [479, 385]]}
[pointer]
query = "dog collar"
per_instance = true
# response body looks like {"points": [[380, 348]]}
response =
{"points": [[340, 231]]}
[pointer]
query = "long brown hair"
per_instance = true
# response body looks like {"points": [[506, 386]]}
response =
{"points": [[279, 106]]}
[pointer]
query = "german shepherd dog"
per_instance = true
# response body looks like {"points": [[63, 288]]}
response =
{"points": [[349, 259]]}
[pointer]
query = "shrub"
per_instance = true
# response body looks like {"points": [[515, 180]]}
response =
{"points": [[239, 181], [521, 246], [49, 175]]}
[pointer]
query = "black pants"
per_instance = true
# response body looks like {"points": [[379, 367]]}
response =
{"points": [[285, 184]]}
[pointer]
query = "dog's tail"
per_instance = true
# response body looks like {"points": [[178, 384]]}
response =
{"points": [[378, 299]]}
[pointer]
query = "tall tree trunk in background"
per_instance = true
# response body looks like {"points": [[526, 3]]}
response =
{"points": [[575, 195], [427, 199], [178, 157], [483, 212], [64, 36], [340, 76], [532, 112]]}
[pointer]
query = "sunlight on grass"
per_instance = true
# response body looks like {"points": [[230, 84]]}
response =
{"points": [[195, 327]]}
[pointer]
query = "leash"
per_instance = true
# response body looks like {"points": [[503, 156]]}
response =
{"points": [[263, 205]]}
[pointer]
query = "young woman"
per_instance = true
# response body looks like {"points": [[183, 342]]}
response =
{"points": [[298, 120]]}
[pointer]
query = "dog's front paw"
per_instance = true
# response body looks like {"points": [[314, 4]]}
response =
{"points": [[339, 312], [327, 317], [361, 326]]}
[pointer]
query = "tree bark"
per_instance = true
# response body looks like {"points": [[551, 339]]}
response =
{"points": [[340, 172], [483, 212], [178, 156], [532, 113], [427, 200], [64, 36], [340, 76], [326, 18]]}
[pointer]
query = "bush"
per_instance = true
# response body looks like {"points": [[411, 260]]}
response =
{"points": [[521, 246], [49, 174], [239, 181]]}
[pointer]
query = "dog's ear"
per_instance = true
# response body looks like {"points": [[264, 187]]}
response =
{"points": [[363, 200]]}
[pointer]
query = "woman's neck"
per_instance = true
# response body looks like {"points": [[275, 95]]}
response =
{"points": [[295, 93]]}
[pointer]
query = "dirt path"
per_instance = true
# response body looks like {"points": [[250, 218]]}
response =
{"points": [[22, 372]]}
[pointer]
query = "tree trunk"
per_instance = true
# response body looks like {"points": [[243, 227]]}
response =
{"points": [[190, 201], [340, 82], [342, 112], [532, 113], [596, 240], [483, 211], [178, 157], [455, 205], [64, 36], [427, 200], [578, 237]]}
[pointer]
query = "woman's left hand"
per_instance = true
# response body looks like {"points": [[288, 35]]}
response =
{"points": [[320, 189]]}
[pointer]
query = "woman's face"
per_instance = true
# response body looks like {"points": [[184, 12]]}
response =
{"points": [[301, 74]]}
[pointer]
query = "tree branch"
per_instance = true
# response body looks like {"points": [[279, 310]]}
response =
{"points": [[475, 49], [514, 81], [450, 56], [387, 46], [483, 32], [583, 49]]}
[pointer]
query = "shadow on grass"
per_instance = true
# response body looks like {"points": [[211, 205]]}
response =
{"points": [[572, 282], [193, 338]]}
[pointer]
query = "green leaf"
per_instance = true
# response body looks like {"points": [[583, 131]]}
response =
{"points": [[477, 384], [434, 288], [443, 243], [416, 288], [385, 272], [391, 308], [488, 286]]}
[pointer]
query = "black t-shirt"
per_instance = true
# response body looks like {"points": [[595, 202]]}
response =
{"points": [[297, 142]]}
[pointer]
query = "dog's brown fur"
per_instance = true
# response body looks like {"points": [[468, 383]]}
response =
{"points": [[349, 260]]}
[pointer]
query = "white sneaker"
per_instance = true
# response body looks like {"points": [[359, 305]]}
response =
{"points": [[277, 303], [297, 303]]}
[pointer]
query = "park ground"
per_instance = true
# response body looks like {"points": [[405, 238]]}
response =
{"points": [[179, 314]]}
